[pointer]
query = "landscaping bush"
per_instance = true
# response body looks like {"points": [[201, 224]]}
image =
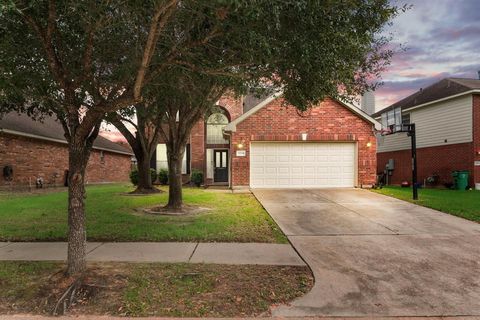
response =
{"points": [[153, 174], [163, 176], [197, 177], [134, 176]]}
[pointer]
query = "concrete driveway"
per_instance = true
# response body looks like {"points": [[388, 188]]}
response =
{"points": [[375, 255]]}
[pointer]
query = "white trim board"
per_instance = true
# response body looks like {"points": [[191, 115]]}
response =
{"points": [[474, 91]]}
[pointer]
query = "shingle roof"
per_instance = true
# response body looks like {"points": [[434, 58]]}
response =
{"points": [[51, 129], [441, 89]]}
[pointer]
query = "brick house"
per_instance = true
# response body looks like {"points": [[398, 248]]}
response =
{"points": [[39, 150], [447, 119], [252, 142]]}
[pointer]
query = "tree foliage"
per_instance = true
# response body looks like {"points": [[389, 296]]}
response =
{"points": [[82, 60]]}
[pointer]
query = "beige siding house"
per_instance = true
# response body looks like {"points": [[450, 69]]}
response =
{"points": [[447, 119]]}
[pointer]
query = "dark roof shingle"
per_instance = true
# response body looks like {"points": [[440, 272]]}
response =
{"points": [[49, 128], [441, 89]]}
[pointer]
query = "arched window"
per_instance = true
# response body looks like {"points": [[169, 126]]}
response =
{"points": [[215, 124]]}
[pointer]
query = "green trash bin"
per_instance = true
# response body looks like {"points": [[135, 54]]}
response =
{"points": [[460, 179]]}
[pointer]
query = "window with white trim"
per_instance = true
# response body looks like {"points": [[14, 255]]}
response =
{"points": [[215, 124], [162, 160]]}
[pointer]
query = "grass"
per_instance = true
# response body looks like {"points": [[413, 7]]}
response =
{"points": [[113, 216], [172, 290], [465, 204]]}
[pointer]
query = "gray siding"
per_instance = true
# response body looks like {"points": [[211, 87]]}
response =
{"points": [[393, 142], [449, 121]]}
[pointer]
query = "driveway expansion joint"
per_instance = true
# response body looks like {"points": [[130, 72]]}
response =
{"points": [[193, 252], [95, 248], [4, 245]]}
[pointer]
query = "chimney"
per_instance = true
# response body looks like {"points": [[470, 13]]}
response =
{"points": [[367, 103]]}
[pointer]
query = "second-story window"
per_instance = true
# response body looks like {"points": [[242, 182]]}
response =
{"points": [[215, 124]]}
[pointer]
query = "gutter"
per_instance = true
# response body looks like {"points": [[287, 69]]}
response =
{"points": [[28, 135], [432, 102]]}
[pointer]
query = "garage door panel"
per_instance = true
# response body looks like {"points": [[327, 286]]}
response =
{"points": [[293, 165]]}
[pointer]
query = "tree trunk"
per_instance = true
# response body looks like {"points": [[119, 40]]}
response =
{"points": [[145, 183], [175, 160], [77, 237]]}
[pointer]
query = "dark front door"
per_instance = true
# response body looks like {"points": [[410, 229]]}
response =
{"points": [[220, 165]]}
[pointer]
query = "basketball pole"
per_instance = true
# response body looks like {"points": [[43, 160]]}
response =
{"points": [[412, 134]]}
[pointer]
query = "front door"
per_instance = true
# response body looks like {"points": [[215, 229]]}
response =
{"points": [[220, 166]]}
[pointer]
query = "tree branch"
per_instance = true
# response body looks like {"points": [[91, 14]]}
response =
{"points": [[161, 17]]}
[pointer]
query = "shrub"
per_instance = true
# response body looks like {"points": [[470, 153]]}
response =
{"points": [[153, 174], [134, 176], [197, 177], [163, 176]]}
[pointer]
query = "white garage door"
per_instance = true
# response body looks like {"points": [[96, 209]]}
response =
{"points": [[302, 164]]}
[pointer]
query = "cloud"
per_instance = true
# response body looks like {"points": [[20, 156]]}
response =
{"points": [[441, 39]]}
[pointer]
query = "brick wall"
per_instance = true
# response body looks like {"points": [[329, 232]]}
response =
{"points": [[441, 160], [197, 137], [330, 121], [33, 158], [232, 105], [197, 146], [476, 137]]}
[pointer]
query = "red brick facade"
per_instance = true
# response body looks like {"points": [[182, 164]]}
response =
{"points": [[441, 160], [34, 158], [328, 122], [234, 108]]}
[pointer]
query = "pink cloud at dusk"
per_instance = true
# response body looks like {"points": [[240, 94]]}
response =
{"points": [[441, 38]]}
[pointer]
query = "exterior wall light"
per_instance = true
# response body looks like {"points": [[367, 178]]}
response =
{"points": [[240, 145], [304, 136], [369, 144]]}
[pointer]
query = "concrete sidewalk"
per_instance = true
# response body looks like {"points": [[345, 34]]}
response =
{"points": [[168, 252]]}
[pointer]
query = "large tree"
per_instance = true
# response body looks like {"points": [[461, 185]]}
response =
{"points": [[140, 125], [77, 60], [81, 60], [307, 49]]}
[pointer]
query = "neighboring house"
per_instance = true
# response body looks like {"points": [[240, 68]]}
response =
{"points": [[447, 119], [34, 150], [259, 143]]}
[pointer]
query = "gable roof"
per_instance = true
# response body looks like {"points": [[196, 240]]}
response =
{"points": [[232, 126], [51, 130], [444, 88]]}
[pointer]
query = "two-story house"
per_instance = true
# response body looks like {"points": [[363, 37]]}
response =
{"points": [[259, 143], [447, 119]]}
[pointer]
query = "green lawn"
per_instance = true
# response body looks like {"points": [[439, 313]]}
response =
{"points": [[111, 216], [465, 204]]}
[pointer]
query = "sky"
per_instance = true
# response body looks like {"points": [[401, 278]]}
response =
{"points": [[434, 39], [441, 39]]}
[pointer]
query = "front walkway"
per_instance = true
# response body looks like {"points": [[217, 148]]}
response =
{"points": [[164, 252], [373, 255]]}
